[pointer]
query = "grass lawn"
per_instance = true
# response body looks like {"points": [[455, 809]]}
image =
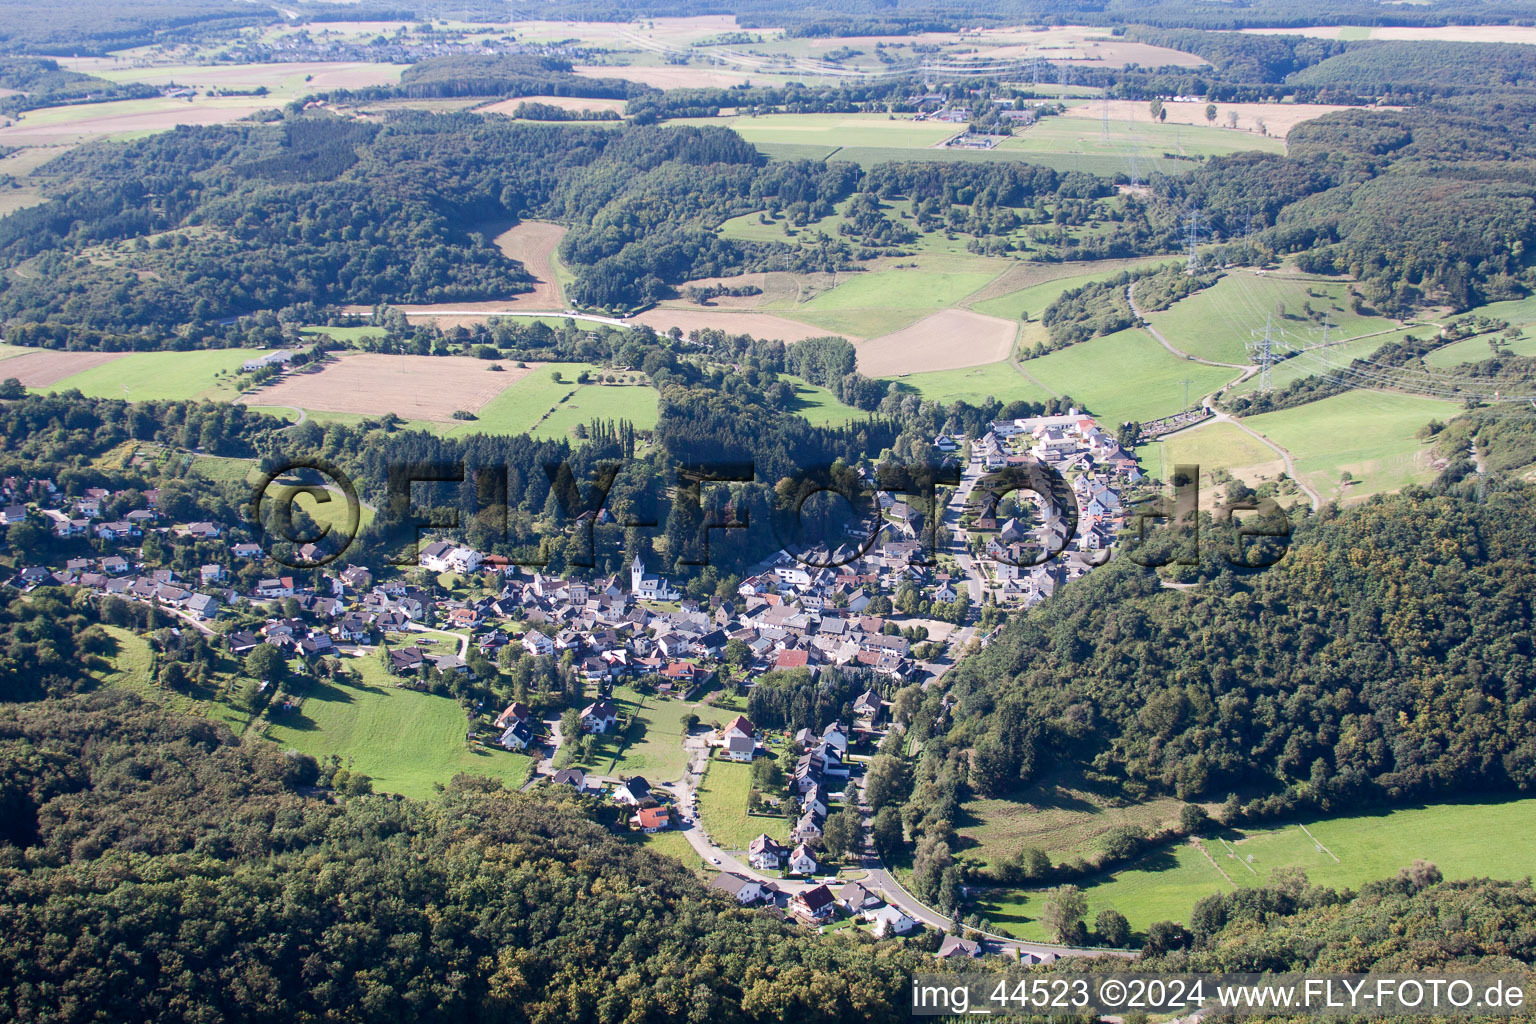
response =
{"points": [[404, 740], [143, 376], [653, 745], [1126, 376], [1219, 322], [1329, 360], [133, 664], [346, 333], [1034, 298], [1213, 445], [1370, 434], [820, 406], [723, 808], [876, 302], [538, 405], [832, 130], [1355, 849], [674, 844], [1475, 350], [974, 383], [1062, 815]]}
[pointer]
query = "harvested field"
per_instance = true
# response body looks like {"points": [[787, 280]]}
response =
{"points": [[53, 125], [1278, 118], [759, 325], [947, 340], [413, 387], [285, 79], [532, 243], [40, 368], [1439, 33], [563, 102]]}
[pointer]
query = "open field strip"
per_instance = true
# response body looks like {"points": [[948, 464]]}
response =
{"points": [[1212, 445], [144, 376], [723, 808], [405, 740], [413, 387], [1338, 852], [1369, 434], [1126, 376]]}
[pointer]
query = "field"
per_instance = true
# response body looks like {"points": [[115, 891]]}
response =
{"points": [[563, 102], [1212, 445], [534, 403], [1447, 33], [1369, 434], [1029, 288], [1220, 322], [1278, 118], [947, 340], [887, 298], [819, 406], [1346, 851], [39, 368], [1473, 350], [1125, 376], [653, 745], [132, 665], [125, 118], [1329, 359], [757, 324], [413, 387], [1062, 815], [532, 243], [284, 81], [723, 808], [404, 740], [153, 376], [995, 380]]}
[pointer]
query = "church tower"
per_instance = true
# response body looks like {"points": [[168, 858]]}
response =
{"points": [[636, 574]]}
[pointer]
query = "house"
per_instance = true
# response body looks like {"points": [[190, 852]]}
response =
{"points": [[835, 736], [632, 791], [801, 862], [246, 550], [599, 716], [739, 748], [766, 854], [813, 906], [202, 531], [954, 946], [269, 589], [212, 573], [537, 644], [745, 890], [516, 736], [242, 642], [403, 660], [573, 777], [868, 705], [855, 899], [435, 555], [114, 565], [13, 514], [887, 921], [652, 819], [204, 606], [517, 711]]}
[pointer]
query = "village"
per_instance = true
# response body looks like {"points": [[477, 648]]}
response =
{"points": [[889, 618]]}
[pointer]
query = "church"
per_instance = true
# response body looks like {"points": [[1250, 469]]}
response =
{"points": [[648, 586]]}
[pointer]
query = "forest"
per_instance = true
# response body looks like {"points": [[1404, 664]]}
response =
{"points": [[156, 862]]}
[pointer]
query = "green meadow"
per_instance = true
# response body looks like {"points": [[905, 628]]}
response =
{"points": [[1369, 434], [406, 741], [819, 406], [1213, 445], [1222, 321], [162, 376], [538, 404], [1126, 376], [723, 808], [974, 383], [1337, 852]]}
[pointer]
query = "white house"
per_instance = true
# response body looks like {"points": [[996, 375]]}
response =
{"points": [[538, 644], [766, 854], [745, 890], [599, 717], [801, 862], [631, 791], [887, 921]]}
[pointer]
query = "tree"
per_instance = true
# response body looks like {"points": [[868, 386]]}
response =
{"points": [[1062, 914], [1111, 928], [1210, 112], [12, 387], [837, 835], [570, 725], [1163, 936], [267, 664], [1193, 819], [887, 833], [886, 781], [737, 654], [1157, 108]]}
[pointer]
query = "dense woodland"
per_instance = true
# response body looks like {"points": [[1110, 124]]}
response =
{"points": [[158, 863]]}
